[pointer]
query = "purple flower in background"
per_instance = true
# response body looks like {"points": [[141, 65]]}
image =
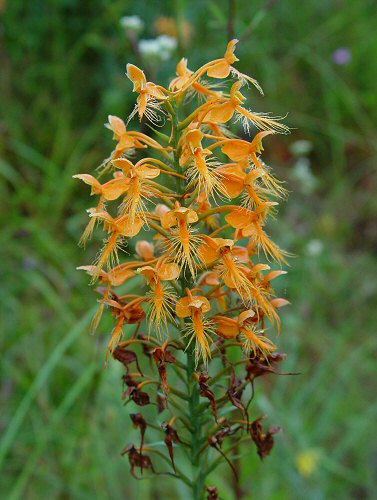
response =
{"points": [[342, 56]]}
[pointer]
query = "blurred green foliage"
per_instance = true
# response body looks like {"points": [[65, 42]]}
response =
{"points": [[62, 72]]}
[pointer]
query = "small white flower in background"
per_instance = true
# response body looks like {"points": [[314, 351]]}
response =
{"points": [[150, 49], [301, 147], [158, 49], [168, 44], [132, 24], [302, 173], [314, 247]]}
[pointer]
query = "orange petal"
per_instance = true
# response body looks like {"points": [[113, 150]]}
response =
{"points": [[169, 219], [220, 69], [119, 276], [241, 253], [146, 172], [124, 164], [209, 251], [129, 226], [279, 302], [137, 77], [240, 218], [245, 315], [145, 249], [227, 327], [222, 113], [182, 307], [233, 187], [92, 181], [115, 188], [168, 272], [236, 149], [229, 54], [117, 125]]}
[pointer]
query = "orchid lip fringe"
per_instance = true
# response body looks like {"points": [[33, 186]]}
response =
{"points": [[197, 286]]}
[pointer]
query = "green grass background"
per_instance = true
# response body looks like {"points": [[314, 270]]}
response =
{"points": [[62, 421]]}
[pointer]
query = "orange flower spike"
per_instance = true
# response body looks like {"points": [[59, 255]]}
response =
{"points": [[161, 298], [200, 329], [182, 245], [150, 95]]}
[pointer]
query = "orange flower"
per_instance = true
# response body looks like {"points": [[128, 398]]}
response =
{"points": [[222, 110], [253, 340], [182, 244], [118, 228], [125, 313], [221, 68], [161, 298], [139, 190], [244, 152], [150, 95], [200, 329], [128, 140], [232, 272], [251, 223], [109, 191], [183, 76], [115, 277], [201, 173]]}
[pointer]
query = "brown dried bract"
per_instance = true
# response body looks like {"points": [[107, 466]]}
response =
{"points": [[139, 421], [137, 459], [171, 436], [162, 356], [264, 442], [126, 357], [139, 397], [206, 392], [212, 493]]}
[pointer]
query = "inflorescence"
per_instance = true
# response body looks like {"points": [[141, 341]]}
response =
{"points": [[188, 211]]}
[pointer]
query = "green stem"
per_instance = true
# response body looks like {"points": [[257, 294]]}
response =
{"points": [[198, 478]]}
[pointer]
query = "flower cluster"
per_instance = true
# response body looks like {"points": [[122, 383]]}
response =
{"points": [[188, 209]]}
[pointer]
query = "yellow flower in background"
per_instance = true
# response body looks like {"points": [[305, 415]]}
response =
{"points": [[308, 461]]}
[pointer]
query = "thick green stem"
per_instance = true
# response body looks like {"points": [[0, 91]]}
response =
{"points": [[193, 402], [198, 477]]}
